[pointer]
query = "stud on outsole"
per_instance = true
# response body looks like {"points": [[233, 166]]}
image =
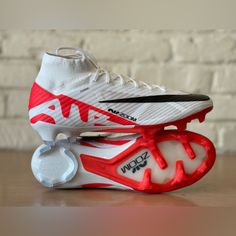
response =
{"points": [[158, 155], [181, 126], [146, 183], [180, 175], [189, 150], [187, 146], [202, 118]]}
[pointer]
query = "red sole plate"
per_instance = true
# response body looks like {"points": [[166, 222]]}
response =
{"points": [[148, 131], [111, 168]]}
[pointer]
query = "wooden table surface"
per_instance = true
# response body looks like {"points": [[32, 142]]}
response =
{"points": [[18, 187]]}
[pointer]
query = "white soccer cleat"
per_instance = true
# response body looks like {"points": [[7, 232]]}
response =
{"points": [[172, 160], [72, 95]]}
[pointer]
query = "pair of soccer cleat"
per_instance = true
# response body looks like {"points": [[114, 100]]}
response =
{"points": [[72, 95]]}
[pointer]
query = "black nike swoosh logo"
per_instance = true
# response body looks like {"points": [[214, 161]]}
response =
{"points": [[160, 98]]}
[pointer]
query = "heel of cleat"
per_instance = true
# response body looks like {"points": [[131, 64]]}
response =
{"points": [[54, 165]]}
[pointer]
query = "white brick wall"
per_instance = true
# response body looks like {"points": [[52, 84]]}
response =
{"points": [[195, 61]]}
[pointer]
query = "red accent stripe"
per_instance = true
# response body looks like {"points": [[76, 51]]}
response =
{"points": [[112, 142], [52, 107], [147, 130], [42, 117], [39, 95], [87, 144], [95, 185]]}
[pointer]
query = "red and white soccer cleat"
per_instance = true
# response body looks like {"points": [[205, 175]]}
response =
{"points": [[72, 95], [171, 160]]}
